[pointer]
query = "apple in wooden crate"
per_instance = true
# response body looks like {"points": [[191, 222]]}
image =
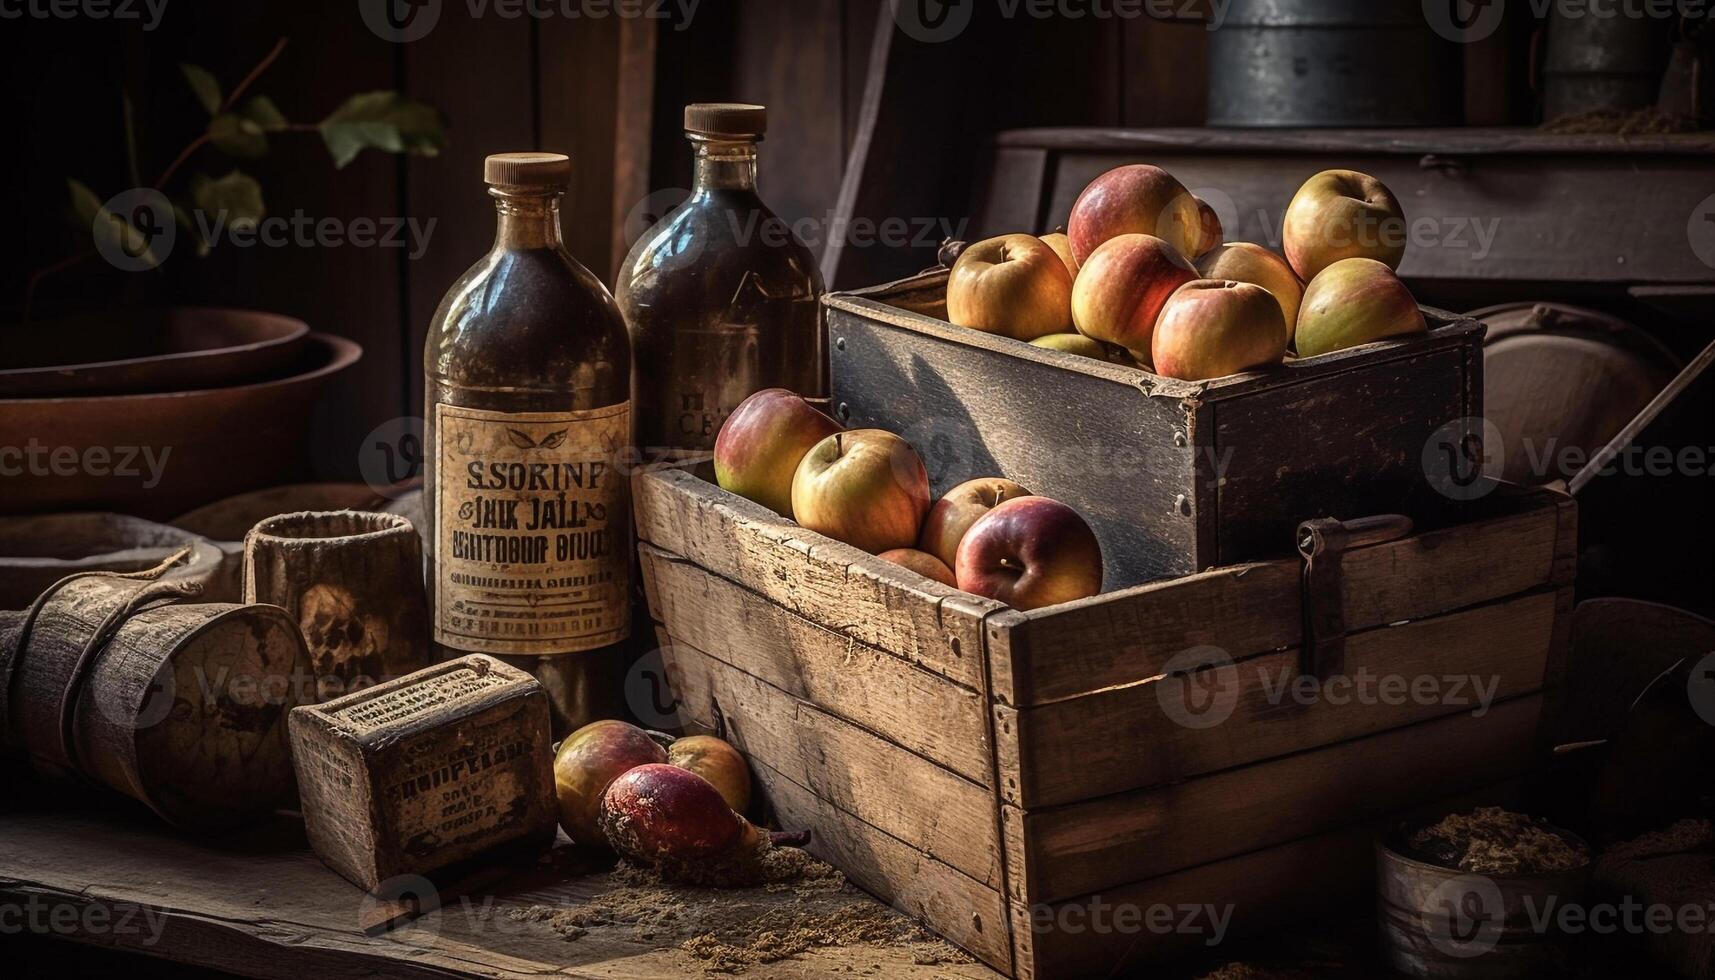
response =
{"points": [[1343, 214], [921, 562], [1211, 328], [587, 761], [1355, 301], [1122, 287], [1062, 247], [866, 487], [1209, 221], [1245, 262], [761, 443], [1134, 200], [1016, 286], [1030, 552], [959, 508]]}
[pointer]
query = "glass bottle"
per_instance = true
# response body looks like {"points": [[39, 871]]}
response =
{"points": [[721, 298], [527, 439]]}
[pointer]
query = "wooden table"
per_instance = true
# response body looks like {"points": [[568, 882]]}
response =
{"points": [[261, 905]]}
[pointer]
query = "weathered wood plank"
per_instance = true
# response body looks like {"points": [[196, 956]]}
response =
{"points": [[1125, 637], [1252, 710], [1148, 920], [907, 705], [954, 905], [1064, 851], [900, 793], [874, 601]]}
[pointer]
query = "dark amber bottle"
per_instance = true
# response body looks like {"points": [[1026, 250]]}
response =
{"points": [[721, 298], [527, 444]]}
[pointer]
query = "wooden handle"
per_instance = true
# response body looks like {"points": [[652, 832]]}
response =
{"points": [[1327, 534]]}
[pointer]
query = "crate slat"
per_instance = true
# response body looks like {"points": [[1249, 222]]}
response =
{"points": [[905, 704]]}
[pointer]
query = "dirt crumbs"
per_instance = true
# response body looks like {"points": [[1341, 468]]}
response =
{"points": [[795, 904], [1248, 971], [1490, 840]]}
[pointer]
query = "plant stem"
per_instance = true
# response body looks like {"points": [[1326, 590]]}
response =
{"points": [[43, 273], [261, 66]]}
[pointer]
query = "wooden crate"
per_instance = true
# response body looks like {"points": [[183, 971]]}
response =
{"points": [[990, 770], [1176, 477]]}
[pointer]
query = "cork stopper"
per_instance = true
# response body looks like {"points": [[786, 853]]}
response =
{"points": [[544, 170], [726, 120]]}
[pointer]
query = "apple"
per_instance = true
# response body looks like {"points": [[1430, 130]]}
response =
{"points": [[1073, 343], [1030, 552], [1014, 285], [1211, 328], [1352, 302], [922, 563], [1245, 262], [1062, 247], [1210, 224], [866, 487], [717, 762], [586, 762], [1137, 199], [1123, 286], [761, 443], [955, 512], [1343, 214]]}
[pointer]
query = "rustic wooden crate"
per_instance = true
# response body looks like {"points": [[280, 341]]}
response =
{"points": [[1175, 476], [978, 766]]}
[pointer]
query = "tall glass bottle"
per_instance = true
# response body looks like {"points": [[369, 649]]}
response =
{"points": [[528, 435], [721, 298]]}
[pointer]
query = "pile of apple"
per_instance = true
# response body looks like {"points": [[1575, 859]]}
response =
{"points": [[1142, 268], [870, 489], [673, 804]]}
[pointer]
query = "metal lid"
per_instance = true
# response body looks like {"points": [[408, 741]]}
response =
{"points": [[729, 120], [546, 170]]}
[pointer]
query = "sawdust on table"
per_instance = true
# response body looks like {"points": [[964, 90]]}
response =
{"points": [[1491, 840], [791, 904]]}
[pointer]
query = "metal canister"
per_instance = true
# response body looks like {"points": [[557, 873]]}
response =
{"points": [[1595, 63], [1332, 63]]}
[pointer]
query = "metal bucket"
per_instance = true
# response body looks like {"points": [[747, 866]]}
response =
{"points": [[1594, 63], [1441, 922], [1332, 63]]}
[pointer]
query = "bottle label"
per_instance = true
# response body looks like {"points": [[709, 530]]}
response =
{"points": [[533, 545]]}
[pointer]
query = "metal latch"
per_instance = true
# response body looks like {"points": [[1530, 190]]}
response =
{"points": [[1323, 543]]}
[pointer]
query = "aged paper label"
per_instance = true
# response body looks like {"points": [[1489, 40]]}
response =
{"points": [[533, 545]]}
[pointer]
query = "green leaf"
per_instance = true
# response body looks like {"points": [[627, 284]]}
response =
{"points": [[105, 226], [204, 86], [84, 204], [385, 120], [235, 135], [262, 111], [235, 199], [189, 225]]}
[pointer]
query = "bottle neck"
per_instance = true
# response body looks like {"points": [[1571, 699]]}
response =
{"points": [[527, 219], [724, 166]]}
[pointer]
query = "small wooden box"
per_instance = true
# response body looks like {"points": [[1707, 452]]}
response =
{"points": [[426, 771], [1175, 476], [1007, 775]]}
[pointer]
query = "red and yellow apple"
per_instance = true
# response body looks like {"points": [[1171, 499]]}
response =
{"points": [[587, 761], [1014, 285], [922, 563], [1211, 328], [1355, 301], [1123, 286], [1030, 552], [1343, 214], [717, 762], [1134, 200], [1073, 343], [961, 507], [1210, 224], [761, 443], [1062, 247], [866, 487], [1245, 262]]}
